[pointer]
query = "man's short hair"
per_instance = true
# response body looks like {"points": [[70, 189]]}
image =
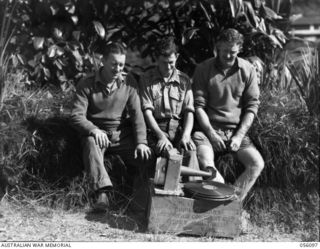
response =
{"points": [[166, 46], [230, 35], [114, 48]]}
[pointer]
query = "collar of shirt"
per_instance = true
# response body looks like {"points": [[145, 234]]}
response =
{"points": [[173, 78], [238, 64], [99, 78]]}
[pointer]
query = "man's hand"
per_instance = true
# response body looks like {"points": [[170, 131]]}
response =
{"points": [[186, 143], [142, 151], [163, 144], [235, 143], [101, 138], [217, 143]]}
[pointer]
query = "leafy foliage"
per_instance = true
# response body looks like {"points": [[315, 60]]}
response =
{"points": [[59, 41]]}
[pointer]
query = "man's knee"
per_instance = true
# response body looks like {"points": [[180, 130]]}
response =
{"points": [[259, 165], [88, 142], [205, 153], [253, 160]]}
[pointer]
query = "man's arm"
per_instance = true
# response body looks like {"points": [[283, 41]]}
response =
{"points": [[250, 109], [139, 126], [79, 119], [245, 124], [188, 119], [78, 116], [134, 109], [186, 141], [200, 102]]}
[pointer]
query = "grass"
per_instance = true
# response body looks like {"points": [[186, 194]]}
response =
{"points": [[303, 64], [6, 32]]}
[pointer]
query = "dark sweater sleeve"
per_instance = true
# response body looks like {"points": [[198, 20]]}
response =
{"points": [[199, 87], [251, 93], [135, 112], [145, 97], [78, 117]]}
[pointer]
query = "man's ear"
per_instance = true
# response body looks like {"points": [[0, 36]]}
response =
{"points": [[215, 53], [240, 48]]}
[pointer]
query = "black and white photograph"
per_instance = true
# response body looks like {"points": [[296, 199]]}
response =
{"points": [[189, 121]]}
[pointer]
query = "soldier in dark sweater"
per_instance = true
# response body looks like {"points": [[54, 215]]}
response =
{"points": [[226, 97], [107, 114]]}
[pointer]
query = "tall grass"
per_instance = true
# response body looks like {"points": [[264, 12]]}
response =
{"points": [[6, 33], [303, 64]]}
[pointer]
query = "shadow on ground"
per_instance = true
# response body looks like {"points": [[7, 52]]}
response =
{"points": [[131, 221]]}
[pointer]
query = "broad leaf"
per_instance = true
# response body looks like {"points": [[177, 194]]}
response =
{"points": [[70, 8], [51, 51], [54, 8], [270, 14], [57, 33], [99, 29], [46, 72], [32, 63], [280, 35], [75, 19], [111, 32], [38, 42], [59, 50], [188, 34], [275, 41], [78, 57]]}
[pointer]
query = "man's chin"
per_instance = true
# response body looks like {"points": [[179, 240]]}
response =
{"points": [[227, 64], [115, 76], [168, 73]]}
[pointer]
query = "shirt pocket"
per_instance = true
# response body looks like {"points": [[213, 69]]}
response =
{"points": [[156, 94], [176, 98]]}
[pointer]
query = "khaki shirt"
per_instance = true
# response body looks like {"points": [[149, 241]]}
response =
{"points": [[170, 99]]}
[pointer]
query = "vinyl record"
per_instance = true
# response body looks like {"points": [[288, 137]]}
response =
{"points": [[209, 189], [232, 197]]}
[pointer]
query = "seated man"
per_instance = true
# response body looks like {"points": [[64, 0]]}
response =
{"points": [[226, 96], [167, 102], [107, 114]]}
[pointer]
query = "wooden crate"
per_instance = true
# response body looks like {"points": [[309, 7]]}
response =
{"points": [[180, 215]]}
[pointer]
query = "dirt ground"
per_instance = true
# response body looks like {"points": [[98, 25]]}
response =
{"points": [[35, 223]]}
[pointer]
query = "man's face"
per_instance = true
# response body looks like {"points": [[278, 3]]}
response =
{"points": [[167, 64], [113, 65], [227, 53]]}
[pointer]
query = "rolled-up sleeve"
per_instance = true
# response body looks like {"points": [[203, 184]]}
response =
{"points": [[78, 118], [136, 115], [188, 103], [251, 93], [199, 87], [146, 100]]}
